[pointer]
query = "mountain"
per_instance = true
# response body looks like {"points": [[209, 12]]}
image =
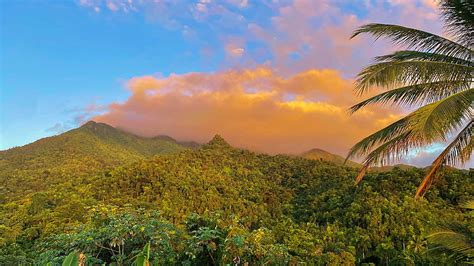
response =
{"points": [[94, 143], [187, 144], [391, 167], [98, 191], [318, 154], [79, 152]]}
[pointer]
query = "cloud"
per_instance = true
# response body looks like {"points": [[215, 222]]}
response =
{"points": [[235, 51], [234, 47], [239, 3], [78, 116], [291, 36], [288, 80], [58, 128], [318, 32], [252, 108], [112, 6], [426, 155]]}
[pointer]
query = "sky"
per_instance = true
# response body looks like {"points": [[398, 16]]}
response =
{"points": [[271, 76]]}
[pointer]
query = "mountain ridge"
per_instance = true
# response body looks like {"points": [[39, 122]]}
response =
{"points": [[76, 153], [135, 146], [58, 204], [320, 154]]}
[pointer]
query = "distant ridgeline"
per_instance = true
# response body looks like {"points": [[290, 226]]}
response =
{"points": [[105, 193]]}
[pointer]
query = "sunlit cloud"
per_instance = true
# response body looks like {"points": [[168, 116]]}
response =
{"points": [[251, 108], [287, 74]]}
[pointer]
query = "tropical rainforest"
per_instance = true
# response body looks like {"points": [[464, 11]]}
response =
{"points": [[105, 195]]}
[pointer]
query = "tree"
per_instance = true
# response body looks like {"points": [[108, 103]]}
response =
{"points": [[456, 239], [435, 73]]}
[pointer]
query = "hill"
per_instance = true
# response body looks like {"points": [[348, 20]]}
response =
{"points": [[216, 205], [319, 154], [391, 167], [78, 152]]}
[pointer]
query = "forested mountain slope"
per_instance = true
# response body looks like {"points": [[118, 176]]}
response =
{"points": [[319, 154], [79, 152], [217, 205]]}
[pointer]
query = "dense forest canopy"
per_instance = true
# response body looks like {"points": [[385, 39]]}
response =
{"points": [[106, 194]]}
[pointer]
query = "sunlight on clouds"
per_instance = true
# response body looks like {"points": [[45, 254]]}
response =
{"points": [[285, 88], [312, 107], [250, 108]]}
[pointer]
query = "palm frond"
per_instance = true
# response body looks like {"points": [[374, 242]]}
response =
{"points": [[459, 20], [415, 94], [421, 127], [394, 73], [409, 55], [387, 152], [416, 39], [435, 71], [437, 120], [461, 152], [453, 241], [468, 205], [456, 239], [385, 134], [361, 174], [462, 144], [431, 122], [393, 149]]}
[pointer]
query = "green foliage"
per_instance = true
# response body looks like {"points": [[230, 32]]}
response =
{"points": [[73, 155], [71, 260], [318, 154], [218, 205], [143, 258], [456, 239]]}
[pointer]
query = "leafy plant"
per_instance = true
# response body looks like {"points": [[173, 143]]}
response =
{"points": [[72, 259], [220, 205], [436, 73], [456, 239], [143, 258]]}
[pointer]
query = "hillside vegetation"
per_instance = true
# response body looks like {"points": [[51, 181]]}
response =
{"points": [[215, 205], [76, 153], [318, 154]]}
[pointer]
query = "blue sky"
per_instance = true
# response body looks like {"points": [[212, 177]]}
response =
{"points": [[64, 62], [58, 57]]}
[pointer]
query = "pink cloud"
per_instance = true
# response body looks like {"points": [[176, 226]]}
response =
{"points": [[251, 108], [302, 34]]}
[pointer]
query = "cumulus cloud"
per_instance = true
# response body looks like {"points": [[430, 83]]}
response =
{"points": [[251, 108], [297, 101]]}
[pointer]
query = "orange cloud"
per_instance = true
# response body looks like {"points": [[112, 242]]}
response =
{"points": [[255, 109]]}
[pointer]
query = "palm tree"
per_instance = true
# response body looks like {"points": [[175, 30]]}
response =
{"points": [[456, 240], [435, 73]]}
